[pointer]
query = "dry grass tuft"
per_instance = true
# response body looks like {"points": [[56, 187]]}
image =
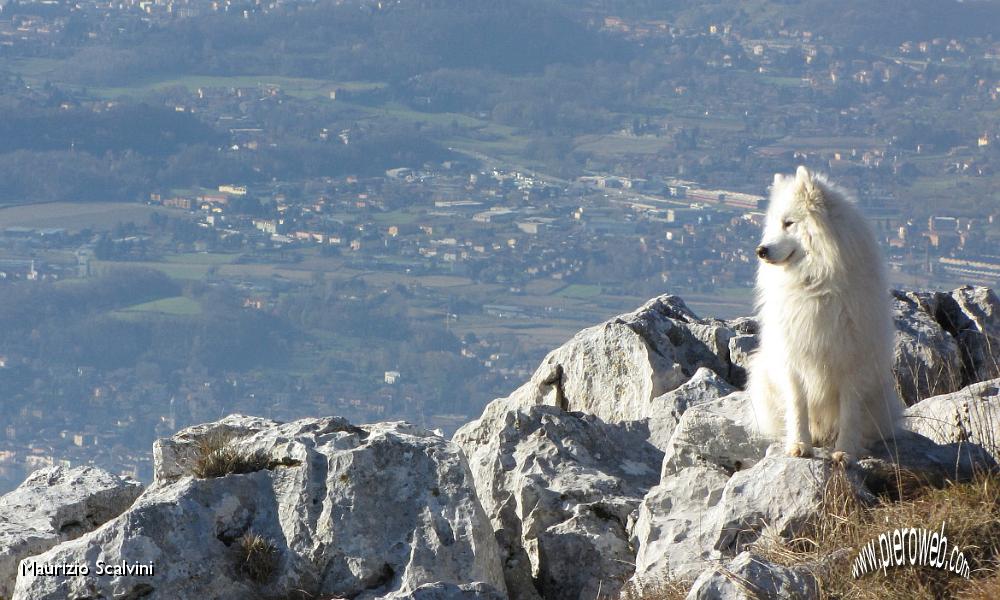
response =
{"points": [[987, 588], [218, 457], [970, 512], [662, 589], [258, 557]]}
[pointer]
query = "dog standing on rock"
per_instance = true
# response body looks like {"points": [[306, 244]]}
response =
{"points": [[823, 373]]}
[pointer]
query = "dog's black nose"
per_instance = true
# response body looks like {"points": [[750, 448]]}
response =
{"points": [[761, 251]]}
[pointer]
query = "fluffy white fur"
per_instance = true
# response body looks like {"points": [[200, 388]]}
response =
{"points": [[822, 375]]}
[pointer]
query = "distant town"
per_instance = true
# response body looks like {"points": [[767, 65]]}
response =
{"points": [[501, 227], [375, 232]]}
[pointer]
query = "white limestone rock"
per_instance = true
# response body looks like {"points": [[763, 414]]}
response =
{"points": [[741, 348], [450, 591], [678, 522], [666, 410], [360, 512], [174, 456], [54, 505], [700, 514], [559, 488], [749, 577], [945, 340], [780, 492], [970, 415], [718, 433], [927, 360], [616, 369], [974, 319], [718, 488], [677, 525]]}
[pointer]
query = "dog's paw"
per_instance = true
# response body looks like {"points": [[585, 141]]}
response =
{"points": [[842, 458], [798, 449]]}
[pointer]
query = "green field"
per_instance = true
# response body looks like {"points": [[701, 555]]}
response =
{"points": [[174, 270], [299, 87], [41, 69], [395, 217], [616, 145], [967, 196], [724, 303], [201, 258], [487, 136], [74, 216], [189, 266], [785, 81], [581, 291], [178, 306], [394, 109], [33, 68]]}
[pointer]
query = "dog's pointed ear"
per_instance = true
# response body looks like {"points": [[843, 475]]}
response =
{"points": [[805, 183], [803, 177], [778, 178]]}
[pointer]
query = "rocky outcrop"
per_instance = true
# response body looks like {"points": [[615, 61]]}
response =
{"points": [[175, 456], [54, 505], [677, 525], [717, 492], [973, 317], [336, 511], [629, 456], [721, 486], [927, 358], [719, 434], [450, 591], [664, 371], [666, 410], [741, 346], [559, 488], [749, 577], [781, 493], [969, 416], [945, 340], [633, 359]]}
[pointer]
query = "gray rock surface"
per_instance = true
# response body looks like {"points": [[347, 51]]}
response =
{"points": [[54, 505], [360, 512], [748, 577], [779, 492], [973, 317], [666, 410], [970, 415], [615, 370], [559, 488], [677, 525], [678, 522], [450, 591], [927, 358], [718, 433], [173, 457], [945, 340], [741, 348], [628, 455], [699, 514]]}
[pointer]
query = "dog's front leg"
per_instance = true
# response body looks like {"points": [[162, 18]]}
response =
{"points": [[849, 428], [798, 440]]}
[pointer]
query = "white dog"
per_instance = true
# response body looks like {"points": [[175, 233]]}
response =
{"points": [[823, 373]]}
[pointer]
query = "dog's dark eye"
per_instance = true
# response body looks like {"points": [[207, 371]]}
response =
{"points": [[786, 224]]}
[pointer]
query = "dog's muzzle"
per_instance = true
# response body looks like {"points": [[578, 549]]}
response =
{"points": [[763, 252]]}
